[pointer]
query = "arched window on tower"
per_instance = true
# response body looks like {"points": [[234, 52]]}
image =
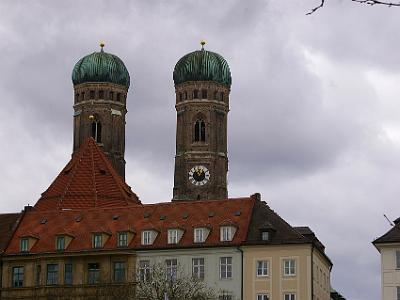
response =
{"points": [[204, 94], [185, 95], [216, 95], [221, 97], [200, 131], [195, 94], [96, 131]]}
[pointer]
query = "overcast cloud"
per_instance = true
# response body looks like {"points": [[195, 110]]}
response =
{"points": [[314, 123]]}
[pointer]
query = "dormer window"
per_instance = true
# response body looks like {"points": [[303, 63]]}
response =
{"points": [[24, 244], [227, 233], [97, 240], [199, 235], [60, 243], [147, 237], [265, 235], [122, 239], [172, 236]]}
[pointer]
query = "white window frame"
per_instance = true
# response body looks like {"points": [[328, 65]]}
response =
{"points": [[147, 237], [198, 234], [262, 296], [97, 240], [171, 268], [172, 236], [24, 244], [289, 267], [122, 242], [226, 233], [144, 270], [264, 267], [198, 269], [60, 245], [289, 296], [225, 267]]}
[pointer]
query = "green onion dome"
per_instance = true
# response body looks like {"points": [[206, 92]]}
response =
{"points": [[202, 65], [100, 67]]}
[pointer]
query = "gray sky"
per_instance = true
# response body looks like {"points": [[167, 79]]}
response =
{"points": [[313, 125]]}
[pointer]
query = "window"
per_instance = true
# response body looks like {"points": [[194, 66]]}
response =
{"points": [[52, 274], [171, 268], [91, 94], [68, 274], [111, 95], [60, 243], [96, 131], [172, 236], [221, 96], [264, 235], [226, 233], [199, 235], [289, 296], [262, 297], [289, 267], [101, 94], [122, 239], [262, 268], [180, 97], [97, 240], [198, 268], [119, 271], [18, 276], [83, 96], [204, 94], [185, 95], [144, 270], [24, 243], [200, 131], [93, 273], [216, 95], [76, 97], [225, 296], [225, 267], [398, 259], [119, 97], [195, 94], [398, 293], [146, 237], [38, 274]]}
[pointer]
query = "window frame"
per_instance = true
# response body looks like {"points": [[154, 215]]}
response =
{"points": [[226, 233], [119, 271], [58, 243], [68, 274], [264, 268], [198, 238], [124, 240], [225, 267], [198, 268], [172, 236], [289, 296], [171, 268], [93, 274], [147, 238], [24, 244], [97, 237], [17, 278], [289, 270], [52, 274], [262, 296], [144, 270]]}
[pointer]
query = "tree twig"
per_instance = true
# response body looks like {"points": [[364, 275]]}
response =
{"points": [[368, 2]]}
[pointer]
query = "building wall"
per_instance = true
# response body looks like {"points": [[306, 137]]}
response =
{"points": [[211, 263], [390, 275], [321, 276], [276, 284]]}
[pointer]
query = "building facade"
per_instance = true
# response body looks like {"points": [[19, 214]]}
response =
{"points": [[90, 237]]}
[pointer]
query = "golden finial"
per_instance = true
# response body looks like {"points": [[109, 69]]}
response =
{"points": [[102, 44], [91, 117], [202, 43]]}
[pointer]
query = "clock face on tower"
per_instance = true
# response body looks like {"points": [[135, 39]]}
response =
{"points": [[199, 175]]}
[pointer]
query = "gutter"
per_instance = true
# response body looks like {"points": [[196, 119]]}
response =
{"points": [[241, 274]]}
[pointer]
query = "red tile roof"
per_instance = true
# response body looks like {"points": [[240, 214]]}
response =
{"points": [[87, 181], [8, 223], [162, 216]]}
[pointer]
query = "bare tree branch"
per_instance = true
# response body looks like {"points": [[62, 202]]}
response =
{"points": [[367, 2]]}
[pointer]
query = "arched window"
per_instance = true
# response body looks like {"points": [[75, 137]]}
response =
{"points": [[221, 97], [119, 97], [96, 131], [195, 94], [111, 95], [204, 94], [216, 95], [180, 97], [101, 94], [185, 95], [91, 94], [200, 131], [76, 97], [83, 96]]}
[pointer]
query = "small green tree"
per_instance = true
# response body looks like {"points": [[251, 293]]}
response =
{"points": [[160, 285]]}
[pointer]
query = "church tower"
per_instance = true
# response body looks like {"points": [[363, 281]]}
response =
{"points": [[202, 85], [101, 82]]}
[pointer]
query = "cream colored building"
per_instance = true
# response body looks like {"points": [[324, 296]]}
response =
{"points": [[389, 247]]}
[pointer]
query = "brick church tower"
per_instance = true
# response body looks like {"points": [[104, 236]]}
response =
{"points": [[101, 82], [202, 85]]}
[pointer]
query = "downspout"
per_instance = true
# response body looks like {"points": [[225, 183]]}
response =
{"points": [[312, 271], [241, 274]]}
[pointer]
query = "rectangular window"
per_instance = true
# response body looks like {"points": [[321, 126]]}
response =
{"points": [[398, 293], [97, 240], [18, 276], [38, 274], [93, 273], [101, 94], [171, 268], [172, 236], [289, 296], [262, 297], [146, 237], [226, 233], [144, 270], [91, 94], [262, 268], [265, 236], [68, 274], [398, 259], [24, 242], [199, 235], [119, 271], [225, 267], [225, 296], [52, 274], [198, 268], [122, 239], [111, 95], [60, 243], [289, 267]]}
